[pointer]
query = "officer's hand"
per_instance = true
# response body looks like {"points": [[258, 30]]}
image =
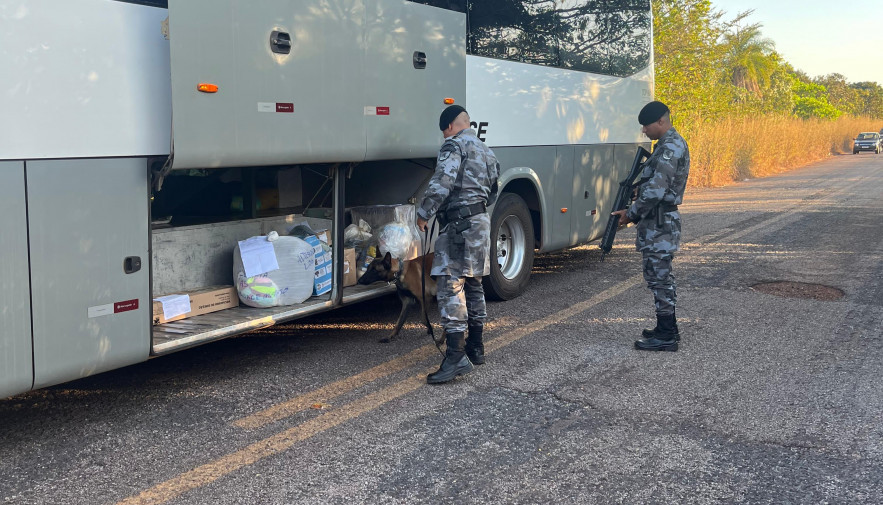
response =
{"points": [[623, 217], [421, 224]]}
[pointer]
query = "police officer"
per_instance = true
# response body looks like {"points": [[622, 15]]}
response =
{"points": [[463, 186], [655, 210]]}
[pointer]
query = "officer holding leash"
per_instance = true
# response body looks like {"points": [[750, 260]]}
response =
{"points": [[655, 210], [459, 193]]}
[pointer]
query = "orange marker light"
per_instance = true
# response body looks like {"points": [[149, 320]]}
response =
{"points": [[207, 88], [564, 210], [449, 101]]}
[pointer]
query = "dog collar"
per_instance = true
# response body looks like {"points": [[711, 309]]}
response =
{"points": [[398, 277]]}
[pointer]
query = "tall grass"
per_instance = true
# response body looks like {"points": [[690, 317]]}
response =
{"points": [[734, 149]]}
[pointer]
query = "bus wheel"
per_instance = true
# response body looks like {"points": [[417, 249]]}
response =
{"points": [[512, 242]]}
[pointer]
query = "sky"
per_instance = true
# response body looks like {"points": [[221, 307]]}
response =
{"points": [[820, 36]]}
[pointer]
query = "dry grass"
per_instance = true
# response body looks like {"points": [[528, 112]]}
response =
{"points": [[741, 148]]}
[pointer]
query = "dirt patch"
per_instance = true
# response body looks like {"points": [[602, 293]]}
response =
{"points": [[790, 289]]}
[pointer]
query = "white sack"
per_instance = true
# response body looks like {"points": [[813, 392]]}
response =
{"points": [[290, 285]]}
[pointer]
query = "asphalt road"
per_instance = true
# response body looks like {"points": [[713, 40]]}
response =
{"points": [[771, 399]]}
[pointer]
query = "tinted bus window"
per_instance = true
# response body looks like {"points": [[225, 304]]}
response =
{"points": [[605, 36], [451, 5], [629, 41], [583, 35], [601, 36], [513, 30], [153, 3]]}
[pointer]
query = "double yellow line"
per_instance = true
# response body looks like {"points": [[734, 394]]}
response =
{"points": [[280, 442]]}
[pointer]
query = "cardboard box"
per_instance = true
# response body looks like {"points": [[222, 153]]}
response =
{"points": [[349, 267], [202, 301], [324, 236], [322, 282]]}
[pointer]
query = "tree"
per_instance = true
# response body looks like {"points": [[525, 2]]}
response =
{"points": [[750, 58], [708, 68], [811, 101], [689, 77], [870, 98], [840, 94]]}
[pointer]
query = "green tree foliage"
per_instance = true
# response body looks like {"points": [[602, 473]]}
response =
{"points": [[750, 59], [840, 94], [686, 34], [811, 100], [708, 67], [870, 99], [688, 75]]}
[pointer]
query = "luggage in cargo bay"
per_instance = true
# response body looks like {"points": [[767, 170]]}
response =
{"points": [[289, 283]]}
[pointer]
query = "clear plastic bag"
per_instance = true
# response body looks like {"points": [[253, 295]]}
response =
{"points": [[396, 228], [397, 239]]}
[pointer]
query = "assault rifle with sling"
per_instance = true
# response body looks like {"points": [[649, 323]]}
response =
{"points": [[623, 197]]}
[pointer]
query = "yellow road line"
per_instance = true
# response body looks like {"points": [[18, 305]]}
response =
{"points": [[514, 335], [335, 389], [284, 440], [275, 444], [303, 402], [281, 442]]}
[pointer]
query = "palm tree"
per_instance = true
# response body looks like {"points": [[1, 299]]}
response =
{"points": [[750, 57]]}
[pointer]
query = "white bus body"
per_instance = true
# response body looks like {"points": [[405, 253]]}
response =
{"points": [[103, 132]]}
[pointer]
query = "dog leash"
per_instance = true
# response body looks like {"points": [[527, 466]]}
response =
{"points": [[426, 236]]}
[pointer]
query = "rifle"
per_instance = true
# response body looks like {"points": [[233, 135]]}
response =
{"points": [[623, 197]]}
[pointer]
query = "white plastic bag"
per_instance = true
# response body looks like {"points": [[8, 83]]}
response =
{"points": [[353, 234], [291, 284]]}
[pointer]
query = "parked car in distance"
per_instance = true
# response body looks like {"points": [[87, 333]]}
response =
{"points": [[867, 141]]}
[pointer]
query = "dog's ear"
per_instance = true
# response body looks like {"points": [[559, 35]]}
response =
{"points": [[387, 260]]}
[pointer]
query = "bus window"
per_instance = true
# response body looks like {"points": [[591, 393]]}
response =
{"points": [[513, 30], [153, 3], [602, 36], [629, 47], [584, 35], [611, 37], [451, 5]]}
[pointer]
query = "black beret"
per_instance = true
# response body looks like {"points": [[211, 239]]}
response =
{"points": [[448, 116], [652, 112]]}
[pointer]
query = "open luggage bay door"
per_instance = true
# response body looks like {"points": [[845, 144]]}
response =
{"points": [[266, 83]]}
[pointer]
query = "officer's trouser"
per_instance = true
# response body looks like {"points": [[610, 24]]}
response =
{"points": [[661, 281], [461, 302]]}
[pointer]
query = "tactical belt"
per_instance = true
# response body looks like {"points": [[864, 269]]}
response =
{"points": [[458, 213], [661, 210]]}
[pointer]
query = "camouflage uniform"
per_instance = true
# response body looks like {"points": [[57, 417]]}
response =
{"points": [[466, 173], [659, 223]]}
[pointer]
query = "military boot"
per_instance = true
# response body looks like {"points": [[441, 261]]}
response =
{"points": [[475, 345], [665, 336], [650, 333], [455, 362]]}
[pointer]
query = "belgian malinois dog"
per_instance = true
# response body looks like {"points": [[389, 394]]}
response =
{"points": [[408, 278]]}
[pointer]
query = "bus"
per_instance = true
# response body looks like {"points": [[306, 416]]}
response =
{"points": [[141, 139]]}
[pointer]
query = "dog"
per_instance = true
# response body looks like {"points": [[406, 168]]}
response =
{"points": [[408, 278]]}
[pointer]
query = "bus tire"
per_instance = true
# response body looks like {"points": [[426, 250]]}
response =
{"points": [[512, 242]]}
